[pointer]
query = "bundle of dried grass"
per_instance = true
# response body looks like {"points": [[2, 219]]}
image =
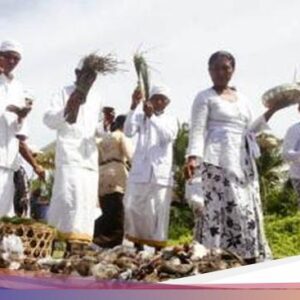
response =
{"points": [[106, 64], [142, 71], [91, 66]]}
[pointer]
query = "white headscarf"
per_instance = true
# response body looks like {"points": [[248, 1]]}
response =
{"points": [[160, 90], [11, 46]]}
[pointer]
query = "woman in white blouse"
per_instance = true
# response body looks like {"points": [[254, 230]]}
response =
{"points": [[222, 143]]}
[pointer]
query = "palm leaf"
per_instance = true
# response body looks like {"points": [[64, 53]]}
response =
{"points": [[142, 71]]}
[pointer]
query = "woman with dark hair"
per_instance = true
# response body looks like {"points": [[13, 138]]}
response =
{"points": [[115, 153], [222, 144]]}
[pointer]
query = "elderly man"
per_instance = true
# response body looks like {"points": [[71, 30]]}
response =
{"points": [[149, 189], [74, 115], [13, 111]]}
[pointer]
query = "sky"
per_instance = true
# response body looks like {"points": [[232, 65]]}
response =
{"points": [[178, 37]]}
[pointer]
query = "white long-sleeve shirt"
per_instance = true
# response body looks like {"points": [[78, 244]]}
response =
{"points": [[152, 159], [76, 143], [11, 92], [291, 150], [219, 131]]}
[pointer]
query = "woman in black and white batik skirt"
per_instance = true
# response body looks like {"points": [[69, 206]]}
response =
{"points": [[233, 218], [222, 142]]}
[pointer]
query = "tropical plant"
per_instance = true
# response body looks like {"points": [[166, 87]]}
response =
{"points": [[46, 159], [281, 200], [269, 165], [181, 224], [179, 151]]}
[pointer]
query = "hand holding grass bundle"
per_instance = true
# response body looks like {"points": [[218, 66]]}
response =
{"points": [[72, 107], [148, 109], [92, 65]]}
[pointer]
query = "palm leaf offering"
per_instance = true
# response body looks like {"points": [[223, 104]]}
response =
{"points": [[142, 71], [288, 94]]}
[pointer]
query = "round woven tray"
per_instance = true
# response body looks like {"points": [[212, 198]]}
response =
{"points": [[287, 93], [37, 238]]}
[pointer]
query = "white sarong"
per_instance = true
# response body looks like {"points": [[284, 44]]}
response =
{"points": [[7, 190], [73, 204], [147, 208]]}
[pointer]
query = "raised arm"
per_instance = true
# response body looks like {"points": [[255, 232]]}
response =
{"points": [[133, 119], [260, 124], [84, 82]]}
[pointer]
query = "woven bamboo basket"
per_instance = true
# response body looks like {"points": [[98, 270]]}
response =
{"points": [[37, 238]]}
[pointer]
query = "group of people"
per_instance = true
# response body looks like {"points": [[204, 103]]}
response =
{"points": [[96, 164]]}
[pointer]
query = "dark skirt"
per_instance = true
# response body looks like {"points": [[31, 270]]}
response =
{"points": [[108, 231], [21, 196]]}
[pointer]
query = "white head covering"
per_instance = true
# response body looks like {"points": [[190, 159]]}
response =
{"points": [[160, 90], [11, 46]]}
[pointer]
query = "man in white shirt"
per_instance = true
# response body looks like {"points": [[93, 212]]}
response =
{"points": [[149, 189], [291, 153], [74, 114], [13, 111]]}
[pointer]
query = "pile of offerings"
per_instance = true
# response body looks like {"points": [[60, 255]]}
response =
{"points": [[125, 263], [284, 95]]}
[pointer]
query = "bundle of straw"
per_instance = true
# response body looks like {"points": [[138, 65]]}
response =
{"points": [[104, 65], [142, 70], [92, 65]]}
